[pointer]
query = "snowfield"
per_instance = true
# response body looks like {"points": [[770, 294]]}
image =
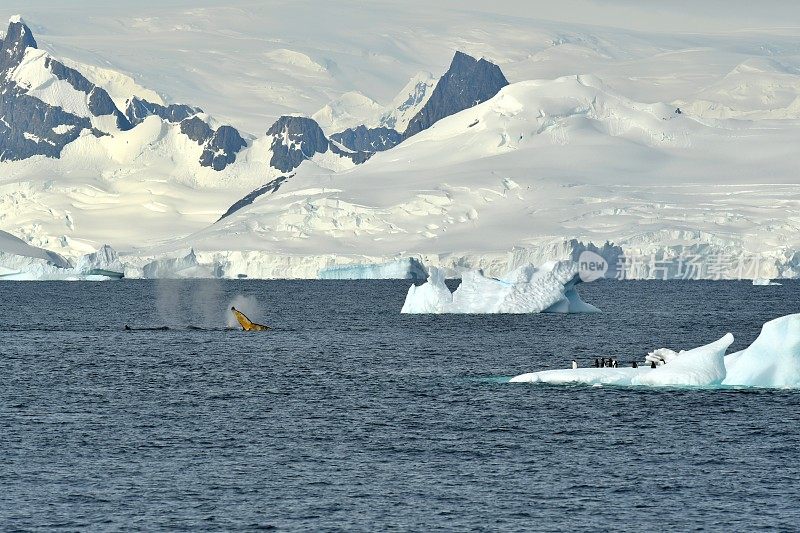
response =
{"points": [[678, 149]]}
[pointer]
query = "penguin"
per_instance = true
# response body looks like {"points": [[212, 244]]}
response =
{"points": [[574, 364]]}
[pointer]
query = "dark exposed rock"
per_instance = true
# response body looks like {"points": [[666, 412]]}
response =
{"points": [[27, 128], [466, 83], [221, 150], [220, 146], [28, 124], [18, 38], [355, 157], [270, 187], [100, 103], [296, 139], [71, 76], [363, 139], [138, 109], [299, 138], [197, 130]]}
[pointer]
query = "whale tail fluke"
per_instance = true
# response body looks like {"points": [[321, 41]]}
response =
{"points": [[246, 323]]}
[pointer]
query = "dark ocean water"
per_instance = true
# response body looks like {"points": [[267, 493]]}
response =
{"points": [[350, 416]]}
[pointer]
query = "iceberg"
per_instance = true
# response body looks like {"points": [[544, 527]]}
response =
{"points": [[583, 376], [549, 288], [406, 268], [764, 282], [771, 361], [701, 367], [104, 262]]}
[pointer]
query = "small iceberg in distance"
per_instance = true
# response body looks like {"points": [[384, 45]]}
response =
{"points": [[528, 289], [772, 361], [764, 282]]}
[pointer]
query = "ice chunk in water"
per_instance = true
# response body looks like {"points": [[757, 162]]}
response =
{"points": [[701, 367], [550, 288], [773, 360]]}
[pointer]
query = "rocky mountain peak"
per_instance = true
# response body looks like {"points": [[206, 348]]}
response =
{"points": [[18, 38], [466, 83]]}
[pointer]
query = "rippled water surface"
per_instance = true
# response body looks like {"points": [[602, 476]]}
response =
{"points": [[350, 416]]}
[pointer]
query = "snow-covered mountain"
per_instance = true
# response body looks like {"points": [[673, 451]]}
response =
{"points": [[673, 148], [511, 179], [78, 168]]}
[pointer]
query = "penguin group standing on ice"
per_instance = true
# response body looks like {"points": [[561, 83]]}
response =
{"points": [[613, 363], [603, 363]]}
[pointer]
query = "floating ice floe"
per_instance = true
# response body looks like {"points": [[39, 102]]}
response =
{"points": [[549, 289], [772, 361], [764, 282]]}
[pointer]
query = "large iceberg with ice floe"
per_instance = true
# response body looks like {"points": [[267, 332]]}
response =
{"points": [[772, 361], [701, 367], [549, 288]]}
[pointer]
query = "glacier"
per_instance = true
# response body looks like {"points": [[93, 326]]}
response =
{"points": [[407, 268], [771, 361], [528, 289]]}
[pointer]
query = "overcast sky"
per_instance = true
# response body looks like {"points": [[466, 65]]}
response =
{"points": [[649, 15], [662, 15], [215, 54]]}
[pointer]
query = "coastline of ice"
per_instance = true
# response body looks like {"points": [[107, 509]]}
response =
{"points": [[547, 289], [771, 361], [405, 268], [186, 267]]}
